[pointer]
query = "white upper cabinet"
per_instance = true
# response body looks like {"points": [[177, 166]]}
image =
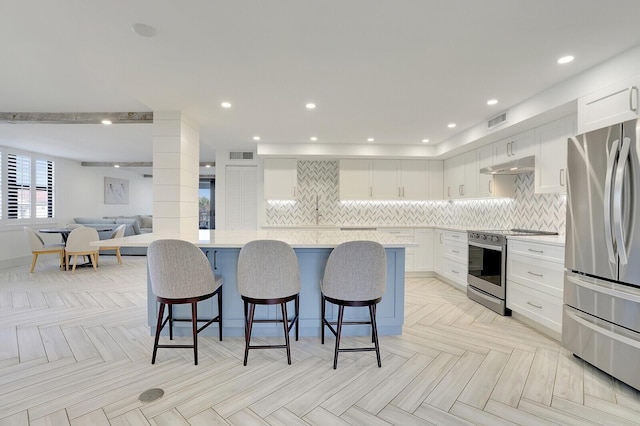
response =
{"points": [[551, 155], [280, 178], [411, 180], [613, 104], [414, 180], [453, 177], [385, 180], [355, 180], [514, 148], [461, 176]]}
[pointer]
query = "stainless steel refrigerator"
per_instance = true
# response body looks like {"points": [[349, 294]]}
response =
{"points": [[601, 318]]}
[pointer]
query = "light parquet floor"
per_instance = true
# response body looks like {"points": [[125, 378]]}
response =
{"points": [[75, 349]]}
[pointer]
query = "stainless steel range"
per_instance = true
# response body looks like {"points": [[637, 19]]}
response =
{"points": [[487, 264]]}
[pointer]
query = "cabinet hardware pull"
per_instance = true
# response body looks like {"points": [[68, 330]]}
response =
{"points": [[534, 305], [370, 191], [215, 259], [490, 187], [448, 191], [455, 251], [631, 90], [562, 179], [455, 236], [454, 271], [534, 274], [536, 251], [403, 192], [399, 192]]}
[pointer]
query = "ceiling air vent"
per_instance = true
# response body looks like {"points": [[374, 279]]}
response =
{"points": [[497, 120], [239, 155]]}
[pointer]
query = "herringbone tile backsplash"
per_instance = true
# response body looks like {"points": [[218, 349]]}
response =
{"points": [[318, 185]]}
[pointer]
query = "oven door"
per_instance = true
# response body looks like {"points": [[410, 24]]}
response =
{"points": [[487, 268]]}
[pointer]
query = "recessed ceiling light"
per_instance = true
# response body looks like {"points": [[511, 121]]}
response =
{"points": [[208, 166], [565, 59], [256, 138], [492, 101], [313, 138], [310, 105], [106, 122], [225, 104], [370, 139], [513, 168], [451, 125], [425, 140], [117, 166], [143, 30]]}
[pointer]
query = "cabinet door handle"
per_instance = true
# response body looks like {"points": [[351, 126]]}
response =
{"points": [[460, 189], [534, 305], [491, 186], [562, 180], [370, 191], [455, 251], [215, 259], [631, 90], [534, 274], [399, 192], [536, 251], [448, 191], [455, 236], [454, 271], [509, 149], [403, 192]]}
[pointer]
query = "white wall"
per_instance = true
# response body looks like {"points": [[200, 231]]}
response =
{"points": [[79, 192]]}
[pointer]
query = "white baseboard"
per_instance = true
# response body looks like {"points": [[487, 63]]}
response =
{"points": [[15, 262]]}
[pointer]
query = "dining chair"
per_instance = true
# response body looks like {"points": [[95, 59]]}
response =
{"points": [[39, 247], [268, 274], [355, 275], [79, 244], [180, 273], [117, 233]]}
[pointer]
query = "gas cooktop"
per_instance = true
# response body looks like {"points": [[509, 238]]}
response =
{"points": [[499, 235]]}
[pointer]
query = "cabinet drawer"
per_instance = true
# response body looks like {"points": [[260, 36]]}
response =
{"points": [[455, 271], [540, 275], [552, 253], [455, 236], [456, 251], [535, 305]]}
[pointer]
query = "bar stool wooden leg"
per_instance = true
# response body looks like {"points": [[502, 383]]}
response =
{"points": [[374, 328], [297, 316], [285, 323], [247, 336], [158, 329], [194, 328], [220, 313], [339, 331]]}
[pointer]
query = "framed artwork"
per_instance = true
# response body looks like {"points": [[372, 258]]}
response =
{"points": [[116, 191]]}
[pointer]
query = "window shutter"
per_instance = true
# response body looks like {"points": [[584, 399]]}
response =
{"points": [[18, 186], [44, 189]]}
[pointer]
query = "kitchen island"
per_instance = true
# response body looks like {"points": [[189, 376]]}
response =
{"points": [[312, 248]]}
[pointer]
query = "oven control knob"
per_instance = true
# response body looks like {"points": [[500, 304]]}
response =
{"points": [[494, 239], [484, 237]]}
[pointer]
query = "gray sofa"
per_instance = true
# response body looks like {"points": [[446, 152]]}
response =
{"points": [[135, 225]]}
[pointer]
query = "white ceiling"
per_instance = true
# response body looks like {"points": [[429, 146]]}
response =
{"points": [[398, 71]]}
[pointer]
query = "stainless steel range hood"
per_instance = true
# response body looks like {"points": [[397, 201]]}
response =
{"points": [[515, 167]]}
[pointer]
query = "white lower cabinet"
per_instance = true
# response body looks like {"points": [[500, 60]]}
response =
{"points": [[438, 250], [535, 280], [454, 258], [420, 257]]}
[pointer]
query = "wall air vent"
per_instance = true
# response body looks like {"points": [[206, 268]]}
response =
{"points": [[239, 155], [498, 120]]}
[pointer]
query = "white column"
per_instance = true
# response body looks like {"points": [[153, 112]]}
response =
{"points": [[176, 161]]}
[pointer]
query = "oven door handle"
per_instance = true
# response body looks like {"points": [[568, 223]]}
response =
{"points": [[485, 246]]}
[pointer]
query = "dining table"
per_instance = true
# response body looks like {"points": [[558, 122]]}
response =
{"points": [[64, 232]]}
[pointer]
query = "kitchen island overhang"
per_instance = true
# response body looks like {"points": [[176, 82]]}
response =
{"points": [[312, 248]]}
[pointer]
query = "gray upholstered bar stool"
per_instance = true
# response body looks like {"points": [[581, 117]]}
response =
{"points": [[268, 274], [181, 273], [355, 275]]}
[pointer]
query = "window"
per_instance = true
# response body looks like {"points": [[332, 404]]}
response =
{"points": [[30, 187]]}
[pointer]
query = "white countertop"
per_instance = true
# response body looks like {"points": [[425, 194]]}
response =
{"points": [[297, 238], [556, 240]]}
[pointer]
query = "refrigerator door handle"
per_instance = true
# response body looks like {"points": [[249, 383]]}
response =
{"points": [[617, 200], [611, 160]]}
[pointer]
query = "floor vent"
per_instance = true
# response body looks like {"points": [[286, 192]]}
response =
{"points": [[239, 155], [497, 120]]}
